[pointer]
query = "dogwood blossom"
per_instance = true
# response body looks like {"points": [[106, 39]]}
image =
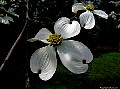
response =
{"points": [[72, 53], [87, 18], [5, 19]]}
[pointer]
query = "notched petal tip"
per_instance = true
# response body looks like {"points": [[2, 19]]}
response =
{"points": [[87, 20], [72, 53], [44, 61], [66, 29], [75, 28]]}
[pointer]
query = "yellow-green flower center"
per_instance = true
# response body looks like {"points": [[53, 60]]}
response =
{"points": [[90, 7], [1, 15], [55, 39]]}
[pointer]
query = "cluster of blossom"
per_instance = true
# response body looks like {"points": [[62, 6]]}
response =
{"points": [[74, 55], [4, 18], [115, 15]]}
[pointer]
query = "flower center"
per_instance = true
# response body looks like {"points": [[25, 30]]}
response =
{"points": [[55, 39], [1, 15], [90, 7]]}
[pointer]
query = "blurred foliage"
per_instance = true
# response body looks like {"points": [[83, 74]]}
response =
{"points": [[106, 66], [44, 13], [115, 13], [103, 71]]}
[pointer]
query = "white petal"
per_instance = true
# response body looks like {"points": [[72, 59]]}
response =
{"points": [[42, 35], [87, 20], [101, 13], [77, 6], [8, 18], [33, 39], [72, 54], [5, 21], [44, 60], [1, 19], [67, 29]]}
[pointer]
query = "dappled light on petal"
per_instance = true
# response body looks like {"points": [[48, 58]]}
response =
{"points": [[67, 29], [87, 20], [101, 13], [42, 35], [77, 6], [72, 54], [44, 61]]}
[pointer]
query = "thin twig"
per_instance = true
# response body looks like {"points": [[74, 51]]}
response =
{"points": [[73, 17], [18, 38], [13, 46], [11, 13], [27, 82]]}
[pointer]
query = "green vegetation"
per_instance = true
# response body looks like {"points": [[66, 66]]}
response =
{"points": [[103, 71], [105, 66]]}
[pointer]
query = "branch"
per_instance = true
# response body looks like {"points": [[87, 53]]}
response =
{"points": [[16, 41], [13, 46], [13, 14]]}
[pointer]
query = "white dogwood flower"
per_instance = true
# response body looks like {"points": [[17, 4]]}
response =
{"points": [[86, 18], [72, 53], [5, 19]]}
